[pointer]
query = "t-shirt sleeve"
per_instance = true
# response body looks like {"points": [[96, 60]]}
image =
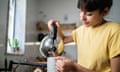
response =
{"points": [[114, 45], [60, 47], [74, 36]]}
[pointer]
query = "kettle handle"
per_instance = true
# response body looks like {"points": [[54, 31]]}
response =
{"points": [[54, 32]]}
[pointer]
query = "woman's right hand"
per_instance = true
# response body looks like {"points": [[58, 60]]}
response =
{"points": [[57, 22], [59, 31], [66, 39]]}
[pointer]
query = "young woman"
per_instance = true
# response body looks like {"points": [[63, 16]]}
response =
{"points": [[97, 40]]}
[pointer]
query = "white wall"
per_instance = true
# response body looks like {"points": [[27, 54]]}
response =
{"points": [[31, 19], [114, 14], [3, 23], [58, 9]]}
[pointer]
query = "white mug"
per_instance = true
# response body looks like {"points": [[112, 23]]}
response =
{"points": [[51, 64]]}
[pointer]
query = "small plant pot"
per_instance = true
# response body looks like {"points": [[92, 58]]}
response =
{"points": [[16, 49]]}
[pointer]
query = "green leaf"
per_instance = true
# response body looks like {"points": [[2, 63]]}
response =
{"points": [[15, 43]]}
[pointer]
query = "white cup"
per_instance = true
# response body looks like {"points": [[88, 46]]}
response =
{"points": [[51, 64]]}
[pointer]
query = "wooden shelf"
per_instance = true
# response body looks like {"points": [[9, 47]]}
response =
{"points": [[43, 26]]}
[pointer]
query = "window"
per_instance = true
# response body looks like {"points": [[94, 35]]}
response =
{"points": [[16, 27]]}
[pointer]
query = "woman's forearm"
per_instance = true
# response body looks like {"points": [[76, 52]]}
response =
{"points": [[60, 34], [66, 39]]}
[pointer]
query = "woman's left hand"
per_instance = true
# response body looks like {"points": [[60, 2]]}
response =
{"points": [[64, 64]]}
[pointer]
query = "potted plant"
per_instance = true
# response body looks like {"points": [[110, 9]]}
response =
{"points": [[14, 44]]}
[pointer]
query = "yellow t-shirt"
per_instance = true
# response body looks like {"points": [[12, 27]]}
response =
{"points": [[96, 46]]}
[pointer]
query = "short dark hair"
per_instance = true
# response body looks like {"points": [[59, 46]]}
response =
{"points": [[91, 5]]}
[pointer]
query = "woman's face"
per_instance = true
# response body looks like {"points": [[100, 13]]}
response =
{"points": [[93, 18]]}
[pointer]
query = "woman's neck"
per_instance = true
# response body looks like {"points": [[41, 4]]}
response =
{"points": [[99, 24]]}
